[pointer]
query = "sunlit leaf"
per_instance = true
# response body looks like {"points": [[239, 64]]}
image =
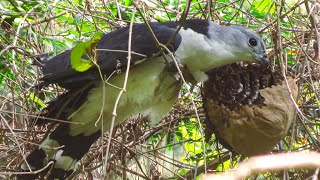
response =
{"points": [[36, 100], [81, 49]]}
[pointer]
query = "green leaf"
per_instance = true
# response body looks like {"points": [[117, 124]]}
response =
{"points": [[35, 99], [83, 48], [127, 3], [266, 6]]}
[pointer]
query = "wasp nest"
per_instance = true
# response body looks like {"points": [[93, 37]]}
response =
{"points": [[248, 107]]}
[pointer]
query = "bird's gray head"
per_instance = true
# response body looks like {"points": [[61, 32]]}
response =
{"points": [[245, 44], [221, 45]]}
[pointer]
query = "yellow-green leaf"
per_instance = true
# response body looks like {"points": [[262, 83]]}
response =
{"points": [[35, 99], [84, 48]]}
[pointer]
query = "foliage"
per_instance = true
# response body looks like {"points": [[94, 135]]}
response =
{"points": [[81, 49], [31, 29]]}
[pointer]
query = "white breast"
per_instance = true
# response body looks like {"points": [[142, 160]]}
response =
{"points": [[151, 91]]}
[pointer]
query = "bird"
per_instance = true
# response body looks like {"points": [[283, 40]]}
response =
{"points": [[152, 87]]}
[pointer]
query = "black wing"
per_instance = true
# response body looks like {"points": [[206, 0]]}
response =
{"points": [[58, 69]]}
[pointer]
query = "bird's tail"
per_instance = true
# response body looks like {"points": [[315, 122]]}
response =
{"points": [[60, 148]]}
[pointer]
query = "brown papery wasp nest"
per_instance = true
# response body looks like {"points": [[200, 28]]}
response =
{"points": [[248, 107]]}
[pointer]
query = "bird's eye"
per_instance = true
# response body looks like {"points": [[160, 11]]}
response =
{"points": [[253, 42]]}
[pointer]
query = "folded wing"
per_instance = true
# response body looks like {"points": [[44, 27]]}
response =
{"points": [[112, 53]]}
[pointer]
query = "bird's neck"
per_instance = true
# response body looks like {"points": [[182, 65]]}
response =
{"points": [[198, 54]]}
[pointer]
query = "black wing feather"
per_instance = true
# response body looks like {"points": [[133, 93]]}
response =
{"points": [[58, 69]]}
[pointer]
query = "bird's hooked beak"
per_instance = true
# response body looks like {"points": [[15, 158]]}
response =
{"points": [[263, 59]]}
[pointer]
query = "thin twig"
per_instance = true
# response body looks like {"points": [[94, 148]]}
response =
{"points": [[114, 112]]}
